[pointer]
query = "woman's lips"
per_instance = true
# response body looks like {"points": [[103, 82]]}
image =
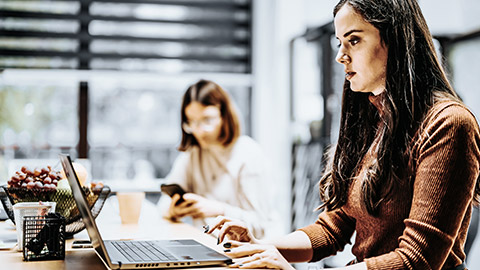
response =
{"points": [[349, 75]]}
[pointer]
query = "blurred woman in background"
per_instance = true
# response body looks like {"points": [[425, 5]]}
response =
{"points": [[223, 172]]}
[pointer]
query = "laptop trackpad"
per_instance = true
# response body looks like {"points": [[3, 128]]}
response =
{"points": [[192, 250]]}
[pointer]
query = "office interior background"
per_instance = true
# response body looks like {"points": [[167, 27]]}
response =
{"points": [[103, 80]]}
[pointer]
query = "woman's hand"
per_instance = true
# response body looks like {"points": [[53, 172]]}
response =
{"points": [[255, 256], [195, 206], [235, 230], [174, 209]]}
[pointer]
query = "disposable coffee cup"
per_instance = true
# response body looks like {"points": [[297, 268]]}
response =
{"points": [[130, 206], [23, 209]]}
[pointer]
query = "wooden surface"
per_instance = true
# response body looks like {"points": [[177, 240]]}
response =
{"points": [[150, 226]]}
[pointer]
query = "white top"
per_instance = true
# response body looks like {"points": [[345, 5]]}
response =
{"points": [[236, 176]]}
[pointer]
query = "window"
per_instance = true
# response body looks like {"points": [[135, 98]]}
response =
{"points": [[134, 57]]}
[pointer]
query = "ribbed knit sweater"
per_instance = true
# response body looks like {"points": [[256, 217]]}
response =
{"points": [[423, 226]]}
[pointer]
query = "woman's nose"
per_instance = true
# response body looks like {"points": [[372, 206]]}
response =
{"points": [[342, 57]]}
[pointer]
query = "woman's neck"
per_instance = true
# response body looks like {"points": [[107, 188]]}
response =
{"points": [[378, 101], [378, 91]]}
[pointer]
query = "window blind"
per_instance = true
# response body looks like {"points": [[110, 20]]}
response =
{"points": [[137, 35]]}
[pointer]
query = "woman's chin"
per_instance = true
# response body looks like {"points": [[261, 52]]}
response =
{"points": [[356, 90], [361, 90], [205, 143]]}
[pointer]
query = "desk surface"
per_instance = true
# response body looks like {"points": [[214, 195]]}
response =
{"points": [[151, 226]]}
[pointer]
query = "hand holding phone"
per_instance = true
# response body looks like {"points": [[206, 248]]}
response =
{"points": [[172, 189]]}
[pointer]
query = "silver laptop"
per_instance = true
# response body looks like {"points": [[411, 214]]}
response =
{"points": [[117, 254]]}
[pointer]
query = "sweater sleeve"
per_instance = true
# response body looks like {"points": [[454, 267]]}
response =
{"points": [[330, 233], [446, 171]]}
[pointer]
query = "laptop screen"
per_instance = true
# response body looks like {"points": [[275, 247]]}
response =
{"points": [[83, 207]]}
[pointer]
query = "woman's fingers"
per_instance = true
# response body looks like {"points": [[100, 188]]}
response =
{"points": [[259, 256], [235, 230], [174, 200], [187, 210], [182, 209], [245, 249], [233, 244], [260, 263], [259, 260], [172, 208], [218, 223], [245, 260], [191, 197]]}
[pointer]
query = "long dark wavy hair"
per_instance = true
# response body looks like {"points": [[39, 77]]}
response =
{"points": [[415, 80]]}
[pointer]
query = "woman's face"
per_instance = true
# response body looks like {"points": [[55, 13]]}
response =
{"points": [[203, 122], [361, 51]]}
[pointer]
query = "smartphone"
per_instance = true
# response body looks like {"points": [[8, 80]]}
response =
{"points": [[172, 189], [82, 244]]}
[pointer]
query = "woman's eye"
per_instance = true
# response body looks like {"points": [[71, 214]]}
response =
{"points": [[353, 41]]}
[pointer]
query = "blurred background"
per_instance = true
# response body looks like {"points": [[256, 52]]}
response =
{"points": [[102, 80]]}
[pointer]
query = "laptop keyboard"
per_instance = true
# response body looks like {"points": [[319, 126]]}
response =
{"points": [[143, 251]]}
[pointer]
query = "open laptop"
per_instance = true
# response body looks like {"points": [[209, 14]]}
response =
{"points": [[130, 254]]}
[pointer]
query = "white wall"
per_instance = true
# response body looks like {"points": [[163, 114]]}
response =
{"points": [[451, 17], [275, 23]]}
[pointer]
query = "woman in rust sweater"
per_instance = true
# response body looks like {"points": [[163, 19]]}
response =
{"points": [[403, 174]]}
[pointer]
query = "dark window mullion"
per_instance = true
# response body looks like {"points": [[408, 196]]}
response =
{"points": [[84, 48], [36, 15], [43, 34]]}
